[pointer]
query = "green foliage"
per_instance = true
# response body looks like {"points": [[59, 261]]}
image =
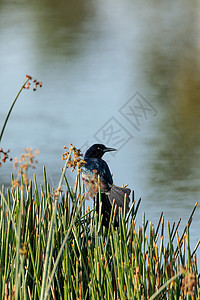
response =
{"points": [[52, 248]]}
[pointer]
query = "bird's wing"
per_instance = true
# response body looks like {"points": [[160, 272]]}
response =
{"points": [[118, 194]]}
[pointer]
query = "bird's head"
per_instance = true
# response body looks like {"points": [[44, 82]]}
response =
{"points": [[97, 151]]}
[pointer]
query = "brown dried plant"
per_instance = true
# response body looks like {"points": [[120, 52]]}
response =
{"points": [[75, 159], [5, 156], [35, 81], [189, 281], [26, 161]]}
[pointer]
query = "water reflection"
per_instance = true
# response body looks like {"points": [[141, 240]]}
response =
{"points": [[172, 73], [58, 26], [179, 155]]}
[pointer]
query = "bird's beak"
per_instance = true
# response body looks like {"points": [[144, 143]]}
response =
{"points": [[109, 149]]}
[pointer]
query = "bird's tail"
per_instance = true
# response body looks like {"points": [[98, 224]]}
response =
{"points": [[118, 194], [115, 193]]}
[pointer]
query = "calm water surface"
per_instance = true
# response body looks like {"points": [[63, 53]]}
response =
{"points": [[101, 63]]}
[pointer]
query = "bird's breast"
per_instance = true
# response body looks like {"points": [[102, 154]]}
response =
{"points": [[94, 180]]}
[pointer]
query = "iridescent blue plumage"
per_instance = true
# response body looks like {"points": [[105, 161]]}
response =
{"points": [[100, 166]]}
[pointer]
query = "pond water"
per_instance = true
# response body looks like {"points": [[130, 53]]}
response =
{"points": [[123, 73]]}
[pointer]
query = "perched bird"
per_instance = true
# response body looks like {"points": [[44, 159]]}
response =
{"points": [[95, 166]]}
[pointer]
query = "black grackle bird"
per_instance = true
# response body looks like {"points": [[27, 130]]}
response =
{"points": [[95, 166]]}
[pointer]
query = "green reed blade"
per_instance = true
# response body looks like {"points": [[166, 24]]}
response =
{"points": [[60, 252], [11, 108], [35, 271], [195, 248], [164, 286], [136, 210], [158, 226], [189, 222]]}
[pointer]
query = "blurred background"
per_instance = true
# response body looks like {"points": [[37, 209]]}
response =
{"points": [[123, 73]]}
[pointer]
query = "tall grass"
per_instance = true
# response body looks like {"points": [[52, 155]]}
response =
{"points": [[51, 247]]}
